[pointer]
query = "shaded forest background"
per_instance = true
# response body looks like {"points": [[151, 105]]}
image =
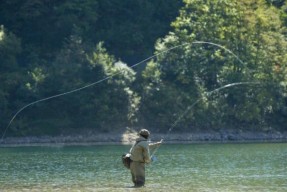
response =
{"points": [[49, 47]]}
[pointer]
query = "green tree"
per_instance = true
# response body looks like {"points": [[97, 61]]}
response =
{"points": [[119, 103], [254, 32], [107, 105], [12, 75], [129, 28]]}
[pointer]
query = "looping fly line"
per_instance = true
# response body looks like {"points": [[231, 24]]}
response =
{"points": [[208, 94], [109, 77]]}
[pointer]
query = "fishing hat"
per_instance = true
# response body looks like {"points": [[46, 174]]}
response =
{"points": [[144, 132]]}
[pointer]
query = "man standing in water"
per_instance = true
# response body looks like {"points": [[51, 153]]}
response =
{"points": [[140, 155]]}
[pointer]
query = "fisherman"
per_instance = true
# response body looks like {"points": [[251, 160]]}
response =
{"points": [[140, 155]]}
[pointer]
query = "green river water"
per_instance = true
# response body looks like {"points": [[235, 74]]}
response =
{"points": [[185, 167]]}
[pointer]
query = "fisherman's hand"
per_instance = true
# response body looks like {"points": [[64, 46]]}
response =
{"points": [[159, 143], [155, 145]]}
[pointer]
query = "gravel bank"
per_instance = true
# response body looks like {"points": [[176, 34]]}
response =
{"points": [[128, 138]]}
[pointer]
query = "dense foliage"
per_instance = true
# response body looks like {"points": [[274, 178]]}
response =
{"points": [[254, 32], [50, 47]]}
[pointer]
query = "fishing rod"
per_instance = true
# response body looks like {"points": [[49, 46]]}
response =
{"points": [[187, 110], [110, 76]]}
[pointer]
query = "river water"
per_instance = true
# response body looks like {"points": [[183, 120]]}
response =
{"points": [[184, 167]]}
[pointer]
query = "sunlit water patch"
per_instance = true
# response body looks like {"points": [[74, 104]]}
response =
{"points": [[193, 167]]}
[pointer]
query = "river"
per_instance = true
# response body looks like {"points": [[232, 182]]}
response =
{"points": [[179, 167]]}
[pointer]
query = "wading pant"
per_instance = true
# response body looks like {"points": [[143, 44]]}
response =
{"points": [[138, 173]]}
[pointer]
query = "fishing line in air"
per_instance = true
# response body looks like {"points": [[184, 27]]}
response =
{"points": [[185, 112], [110, 76], [208, 94]]}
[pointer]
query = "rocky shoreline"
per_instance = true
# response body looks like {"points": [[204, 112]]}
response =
{"points": [[128, 138]]}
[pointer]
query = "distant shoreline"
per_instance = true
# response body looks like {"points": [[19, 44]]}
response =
{"points": [[128, 138]]}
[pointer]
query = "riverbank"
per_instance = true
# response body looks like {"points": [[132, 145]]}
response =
{"points": [[128, 138]]}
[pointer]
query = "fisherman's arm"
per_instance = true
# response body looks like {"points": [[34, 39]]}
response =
{"points": [[155, 145], [146, 155]]}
